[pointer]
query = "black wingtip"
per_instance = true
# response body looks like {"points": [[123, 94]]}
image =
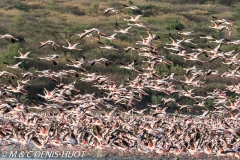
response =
{"points": [[209, 47], [92, 63], [100, 42], [54, 62], [214, 17], [68, 60], [76, 74]]}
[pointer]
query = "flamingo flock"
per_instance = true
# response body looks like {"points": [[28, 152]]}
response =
{"points": [[111, 122]]}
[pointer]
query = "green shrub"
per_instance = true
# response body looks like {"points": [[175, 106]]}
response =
{"points": [[18, 5], [211, 11], [223, 2], [172, 24], [163, 69], [3, 29], [156, 99], [18, 22], [237, 14], [133, 12], [150, 10], [209, 103], [176, 69], [76, 11], [122, 70], [92, 9], [53, 6], [130, 3], [76, 28], [11, 52]]}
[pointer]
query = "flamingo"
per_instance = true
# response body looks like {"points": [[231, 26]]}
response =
{"points": [[72, 47], [16, 66], [112, 37], [207, 36], [133, 18], [77, 63], [107, 46], [139, 25], [106, 61], [10, 37], [23, 56], [130, 66], [132, 7], [89, 31], [49, 42], [51, 58], [114, 10], [225, 21], [218, 26], [174, 42], [130, 48], [121, 30]]}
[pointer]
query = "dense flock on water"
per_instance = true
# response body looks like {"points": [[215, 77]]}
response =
{"points": [[111, 123]]}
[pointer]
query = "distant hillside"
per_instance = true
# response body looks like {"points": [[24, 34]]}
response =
{"points": [[36, 21]]}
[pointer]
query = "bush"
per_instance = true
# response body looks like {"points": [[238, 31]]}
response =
{"points": [[76, 11], [163, 69], [130, 3], [92, 9], [150, 10], [176, 69], [223, 2], [237, 13], [134, 12], [18, 22], [53, 6], [76, 28], [3, 29], [173, 24], [36, 5], [18, 5], [211, 11], [156, 99], [209, 104], [11, 52]]}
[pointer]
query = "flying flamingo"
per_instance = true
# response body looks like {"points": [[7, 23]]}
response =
{"points": [[133, 7], [10, 37], [23, 56], [72, 47], [49, 42]]}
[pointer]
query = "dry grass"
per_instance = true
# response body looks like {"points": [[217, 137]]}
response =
{"points": [[11, 13]]}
